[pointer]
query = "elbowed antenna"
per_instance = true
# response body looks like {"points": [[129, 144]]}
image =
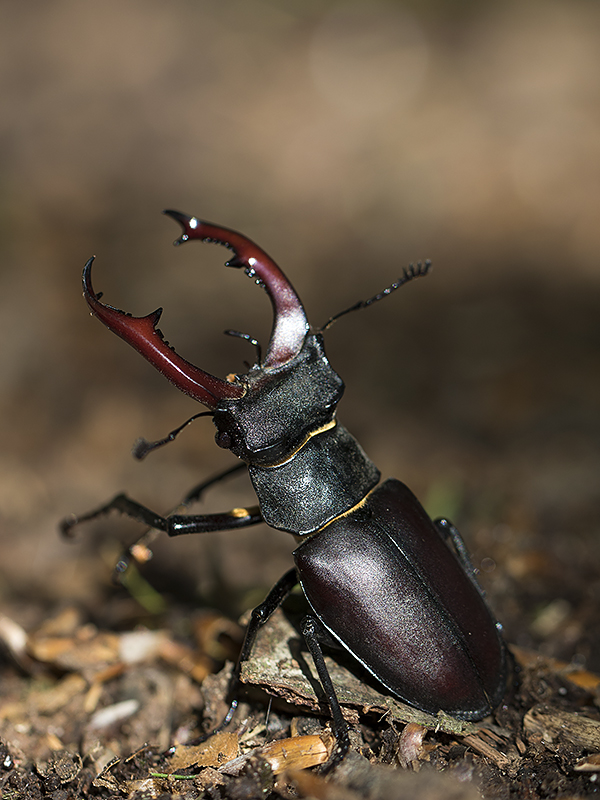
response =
{"points": [[408, 273], [142, 334], [290, 325]]}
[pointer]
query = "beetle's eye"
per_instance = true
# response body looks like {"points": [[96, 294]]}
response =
{"points": [[224, 439]]}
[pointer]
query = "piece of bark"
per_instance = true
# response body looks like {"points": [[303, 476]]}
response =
{"points": [[553, 726], [281, 666]]}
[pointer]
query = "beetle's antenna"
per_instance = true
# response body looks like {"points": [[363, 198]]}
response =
{"points": [[142, 447], [248, 338], [407, 275]]}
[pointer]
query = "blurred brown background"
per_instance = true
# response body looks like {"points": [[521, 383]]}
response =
{"points": [[348, 139]]}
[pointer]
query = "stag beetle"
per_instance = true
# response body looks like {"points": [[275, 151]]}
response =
{"points": [[391, 586]]}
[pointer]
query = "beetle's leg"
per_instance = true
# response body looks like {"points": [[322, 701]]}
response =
{"points": [[310, 630], [136, 511], [173, 525], [178, 524], [120, 503], [451, 532], [260, 615], [194, 494]]}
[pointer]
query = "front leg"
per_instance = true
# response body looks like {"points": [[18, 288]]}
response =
{"points": [[174, 525]]}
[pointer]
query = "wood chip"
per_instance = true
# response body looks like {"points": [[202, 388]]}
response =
{"points": [[298, 752], [588, 764], [214, 752], [552, 726], [480, 744]]}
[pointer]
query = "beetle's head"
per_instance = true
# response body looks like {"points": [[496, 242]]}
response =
{"points": [[266, 414]]}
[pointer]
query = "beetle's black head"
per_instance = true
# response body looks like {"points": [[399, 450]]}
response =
{"points": [[281, 408], [265, 415]]}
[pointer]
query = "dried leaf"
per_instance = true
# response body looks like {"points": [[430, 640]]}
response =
{"points": [[580, 677], [77, 654], [52, 699], [217, 636], [65, 623], [66, 766], [187, 660], [147, 788], [214, 752]]}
